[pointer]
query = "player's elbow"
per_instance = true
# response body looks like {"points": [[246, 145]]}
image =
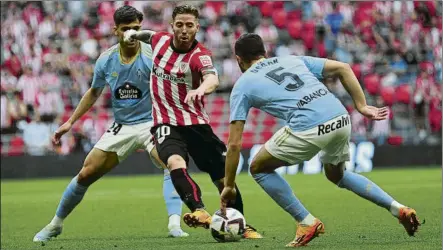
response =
{"points": [[234, 146]]}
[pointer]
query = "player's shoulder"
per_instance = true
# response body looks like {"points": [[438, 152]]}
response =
{"points": [[242, 85], [159, 35], [106, 55], [146, 49]]}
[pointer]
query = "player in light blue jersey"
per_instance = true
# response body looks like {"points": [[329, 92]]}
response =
{"points": [[289, 88], [125, 67]]}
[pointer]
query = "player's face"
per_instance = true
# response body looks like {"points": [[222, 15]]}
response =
{"points": [[185, 27], [241, 64], [120, 30]]}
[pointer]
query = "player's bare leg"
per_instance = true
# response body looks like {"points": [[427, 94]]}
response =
{"points": [[96, 164], [171, 197], [365, 188], [263, 171], [189, 192]]}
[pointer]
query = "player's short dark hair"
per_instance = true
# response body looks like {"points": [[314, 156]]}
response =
{"points": [[127, 14], [250, 47], [185, 9]]}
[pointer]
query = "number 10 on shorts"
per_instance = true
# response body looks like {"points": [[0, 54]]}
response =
{"points": [[162, 132]]}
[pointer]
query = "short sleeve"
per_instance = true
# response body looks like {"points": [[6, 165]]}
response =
{"points": [[202, 63], [239, 103], [156, 38], [99, 80], [315, 65]]}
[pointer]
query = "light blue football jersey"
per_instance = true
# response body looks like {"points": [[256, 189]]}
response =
{"points": [[129, 83], [288, 88]]}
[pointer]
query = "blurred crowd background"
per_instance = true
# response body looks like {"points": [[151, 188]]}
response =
{"points": [[48, 51]]}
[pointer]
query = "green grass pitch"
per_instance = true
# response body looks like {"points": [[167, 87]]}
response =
{"points": [[129, 213]]}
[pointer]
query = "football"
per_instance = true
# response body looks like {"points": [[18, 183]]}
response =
{"points": [[228, 228]]}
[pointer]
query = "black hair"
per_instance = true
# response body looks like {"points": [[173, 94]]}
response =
{"points": [[250, 47], [185, 9], [127, 14]]}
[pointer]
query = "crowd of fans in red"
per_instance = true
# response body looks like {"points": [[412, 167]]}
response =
{"points": [[49, 49]]}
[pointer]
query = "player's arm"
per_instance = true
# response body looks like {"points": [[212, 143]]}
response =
{"points": [[87, 101], [348, 79], [210, 83], [233, 153], [352, 86], [142, 35]]}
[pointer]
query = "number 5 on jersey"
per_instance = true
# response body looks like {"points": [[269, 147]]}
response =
{"points": [[162, 132]]}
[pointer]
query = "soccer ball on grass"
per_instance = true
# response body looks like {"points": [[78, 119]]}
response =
{"points": [[228, 228]]}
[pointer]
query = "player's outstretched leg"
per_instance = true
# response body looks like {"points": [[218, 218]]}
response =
{"points": [[173, 205], [189, 192], [96, 164], [367, 189], [262, 170]]}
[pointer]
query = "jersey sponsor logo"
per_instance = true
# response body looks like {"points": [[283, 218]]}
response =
{"points": [[128, 92], [160, 74], [338, 124], [205, 60], [311, 97], [114, 74]]}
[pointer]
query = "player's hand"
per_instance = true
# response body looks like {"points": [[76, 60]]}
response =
{"points": [[60, 132], [228, 194], [195, 94], [374, 113], [129, 35]]}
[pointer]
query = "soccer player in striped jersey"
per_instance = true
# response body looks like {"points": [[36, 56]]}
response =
{"points": [[125, 67], [182, 74]]}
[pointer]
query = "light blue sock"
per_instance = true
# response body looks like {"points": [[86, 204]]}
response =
{"points": [[172, 199], [71, 198], [365, 188], [280, 191]]}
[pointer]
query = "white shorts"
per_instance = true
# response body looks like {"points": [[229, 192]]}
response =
{"points": [[331, 139], [125, 139]]}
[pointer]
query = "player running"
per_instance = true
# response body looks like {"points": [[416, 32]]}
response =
{"points": [[289, 88], [125, 67], [182, 74]]}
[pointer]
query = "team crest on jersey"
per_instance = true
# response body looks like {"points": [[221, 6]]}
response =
{"points": [[128, 92], [205, 60], [183, 67], [114, 74]]}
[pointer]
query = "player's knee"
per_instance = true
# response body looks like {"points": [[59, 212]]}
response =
{"points": [[333, 173], [255, 167], [176, 162]]}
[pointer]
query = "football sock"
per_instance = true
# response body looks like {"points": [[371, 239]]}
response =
{"points": [[395, 208], [71, 198], [365, 188], [280, 191], [172, 199], [308, 220], [174, 222], [188, 190]]}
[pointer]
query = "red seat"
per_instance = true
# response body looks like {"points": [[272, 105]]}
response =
{"points": [[294, 15], [295, 29], [309, 27], [372, 83], [279, 17], [248, 139], [17, 141], [395, 140], [266, 135], [308, 39], [266, 9], [388, 94], [278, 5], [403, 94], [269, 121], [357, 70]]}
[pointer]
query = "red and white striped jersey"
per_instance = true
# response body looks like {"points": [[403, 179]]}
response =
{"points": [[173, 75]]}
